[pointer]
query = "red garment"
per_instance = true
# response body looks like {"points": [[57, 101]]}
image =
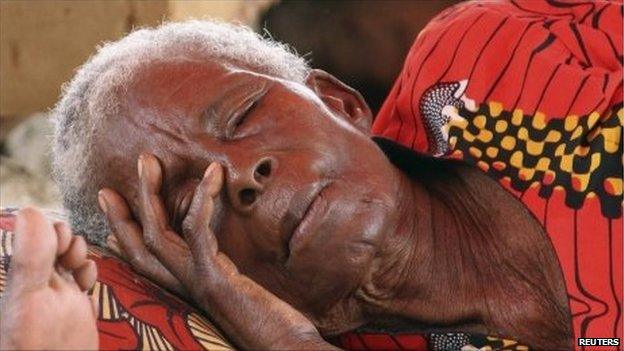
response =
{"points": [[531, 93]]}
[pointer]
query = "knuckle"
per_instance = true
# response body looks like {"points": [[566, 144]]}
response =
{"points": [[149, 239], [118, 227], [187, 226], [136, 261]]}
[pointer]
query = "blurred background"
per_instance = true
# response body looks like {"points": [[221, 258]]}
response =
{"points": [[42, 43]]}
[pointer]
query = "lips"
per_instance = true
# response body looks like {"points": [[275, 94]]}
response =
{"points": [[298, 207]]}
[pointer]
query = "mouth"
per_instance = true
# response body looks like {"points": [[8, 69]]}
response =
{"points": [[301, 207]]}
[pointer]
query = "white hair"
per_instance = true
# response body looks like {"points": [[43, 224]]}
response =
{"points": [[93, 95]]}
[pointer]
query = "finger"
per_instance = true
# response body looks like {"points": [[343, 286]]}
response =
{"points": [[64, 237], [76, 255], [154, 218], [128, 235], [170, 248], [95, 304], [113, 244], [34, 248], [196, 226], [85, 275]]}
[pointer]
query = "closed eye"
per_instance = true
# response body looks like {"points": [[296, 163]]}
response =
{"points": [[240, 119], [241, 114]]}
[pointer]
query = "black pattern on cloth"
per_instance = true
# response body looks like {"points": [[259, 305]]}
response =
{"points": [[432, 103]]}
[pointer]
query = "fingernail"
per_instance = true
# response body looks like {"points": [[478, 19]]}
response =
{"points": [[210, 171], [111, 243], [102, 202], [140, 166]]}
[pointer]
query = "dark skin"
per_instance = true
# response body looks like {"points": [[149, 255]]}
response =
{"points": [[259, 195]]}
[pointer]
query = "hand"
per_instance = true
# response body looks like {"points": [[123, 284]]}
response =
{"points": [[194, 266], [45, 305]]}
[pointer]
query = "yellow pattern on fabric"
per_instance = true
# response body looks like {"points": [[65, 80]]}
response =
{"points": [[538, 121], [508, 142], [567, 150], [613, 186], [492, 152], [501, 126], [479, 121], [495, 108]]}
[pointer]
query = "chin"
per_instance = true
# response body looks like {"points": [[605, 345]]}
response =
{"points": [[332, 269]]}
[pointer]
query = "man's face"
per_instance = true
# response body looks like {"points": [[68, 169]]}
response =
{"points": [[307, 195]]}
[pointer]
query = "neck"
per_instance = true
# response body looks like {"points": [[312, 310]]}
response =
{"points": [[447, 263]]}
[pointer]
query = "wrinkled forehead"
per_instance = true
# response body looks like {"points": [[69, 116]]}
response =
{"points": [[190, 86]]}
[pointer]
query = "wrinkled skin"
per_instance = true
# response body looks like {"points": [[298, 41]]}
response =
{"points": [[375, 246]]}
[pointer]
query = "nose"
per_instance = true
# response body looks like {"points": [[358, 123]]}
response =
{"points": [[247, 182]]}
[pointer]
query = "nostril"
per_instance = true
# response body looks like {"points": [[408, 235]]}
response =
{"points": [[263, 170], [247, 196]]}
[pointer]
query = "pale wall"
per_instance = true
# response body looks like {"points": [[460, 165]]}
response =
{"points": [[42, 42]]}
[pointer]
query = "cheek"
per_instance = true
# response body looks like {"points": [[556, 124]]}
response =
{"points": [[249, 240], [341, 253], [234, 242]]}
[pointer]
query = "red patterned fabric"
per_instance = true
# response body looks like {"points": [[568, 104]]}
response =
{"points": [[531, 93]]}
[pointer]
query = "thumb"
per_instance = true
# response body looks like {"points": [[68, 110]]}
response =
{"points": [[34, 247]]}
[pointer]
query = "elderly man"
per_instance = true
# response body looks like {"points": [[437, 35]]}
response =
{"points": [[259, 194]]}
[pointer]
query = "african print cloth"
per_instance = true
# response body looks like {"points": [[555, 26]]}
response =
{"points": [[134, 314], [531, 93]]}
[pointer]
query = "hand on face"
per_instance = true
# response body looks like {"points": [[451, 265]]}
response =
{"points": [[151, 246], [192, 264]]}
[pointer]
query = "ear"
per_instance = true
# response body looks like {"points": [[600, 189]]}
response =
{"points": [[341, 98]]}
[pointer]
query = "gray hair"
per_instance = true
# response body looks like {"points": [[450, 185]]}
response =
{"points": [[92, 96]]}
